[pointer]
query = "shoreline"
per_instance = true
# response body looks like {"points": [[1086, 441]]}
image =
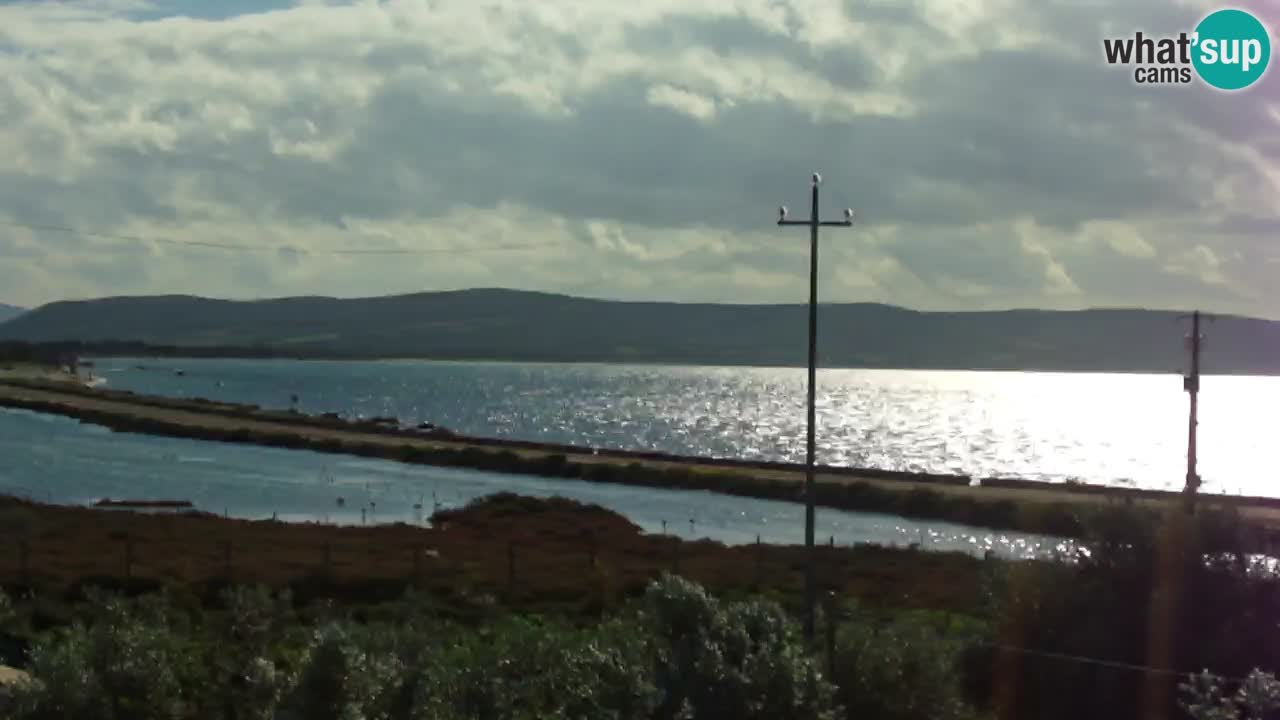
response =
{"points": [[114, 350], [728, 364], [1063, 510]]}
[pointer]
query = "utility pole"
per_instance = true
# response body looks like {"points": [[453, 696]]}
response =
{"points": [[810, 489], [1191, 384]]}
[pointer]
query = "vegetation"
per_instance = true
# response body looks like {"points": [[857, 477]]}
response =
{"points": [[906, 667], [523, 554], [1177, 596], [1205, 697], [678, 653], [1158, 618]]}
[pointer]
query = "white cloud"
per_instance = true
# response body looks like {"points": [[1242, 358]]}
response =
{"points": [[640, 147], [1199, 262], [689, 103], [1121, 237]]}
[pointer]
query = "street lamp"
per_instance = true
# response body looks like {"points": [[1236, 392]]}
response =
{"points": [[810, 489]]}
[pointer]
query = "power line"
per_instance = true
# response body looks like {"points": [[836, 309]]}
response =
{"points": [[1099, 662], [1083, 660], [276, 248]]}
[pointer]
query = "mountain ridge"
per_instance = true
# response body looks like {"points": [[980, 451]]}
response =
{"points": [[505, 324], [8, 312], [610, 301]]}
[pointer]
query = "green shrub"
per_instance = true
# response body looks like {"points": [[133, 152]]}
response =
{"points": [[341, 680], [901, 670], [250, 665], [741, 660], [1204, 697], [125, 664], [1105, 604], [528, 669]]}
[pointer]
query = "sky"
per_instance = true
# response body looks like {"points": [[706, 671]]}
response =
{"points": [[632, 150]]}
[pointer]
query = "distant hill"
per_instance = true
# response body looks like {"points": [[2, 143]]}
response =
{"points": [[8, 312], [517, 325]]}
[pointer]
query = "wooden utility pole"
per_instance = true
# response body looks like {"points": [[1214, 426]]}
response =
{"points": [[810, 490], [1191, 383]]}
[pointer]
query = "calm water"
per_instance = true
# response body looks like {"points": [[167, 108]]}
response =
{"points": [[57, 459], [1111, 429]]}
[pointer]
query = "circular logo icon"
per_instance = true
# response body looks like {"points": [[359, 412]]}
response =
{"points": [[1232, 49]]}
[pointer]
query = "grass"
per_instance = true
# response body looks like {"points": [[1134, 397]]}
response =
{"points": [[530, 554]]}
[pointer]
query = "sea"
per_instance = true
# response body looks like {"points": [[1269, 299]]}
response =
{"points": [[1110, 429], [1122, 430]]}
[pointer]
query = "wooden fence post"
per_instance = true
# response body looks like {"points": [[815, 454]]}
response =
{"points": [[759, 562], [832, 621], [128, 557], [24, 561], [511, 567]]}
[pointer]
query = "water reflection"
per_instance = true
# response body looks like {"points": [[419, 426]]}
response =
{"points": [[1050, 426], [57, 459]]}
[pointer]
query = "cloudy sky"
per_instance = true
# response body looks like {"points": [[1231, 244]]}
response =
{"points": [[631, 150]]}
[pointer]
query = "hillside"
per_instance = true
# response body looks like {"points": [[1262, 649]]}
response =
{"points": [[8, 312], [517, 325]]}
